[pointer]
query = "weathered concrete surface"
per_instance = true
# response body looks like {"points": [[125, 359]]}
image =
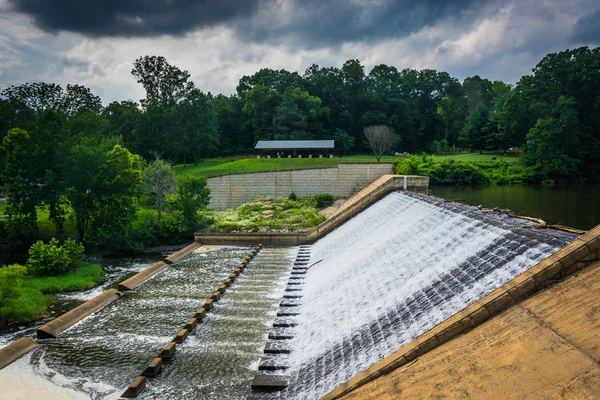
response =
{"points": [[15, 350], [56, 326], [546, 347], [377, 189], [233, 190], [142, 276], [182, 253]]}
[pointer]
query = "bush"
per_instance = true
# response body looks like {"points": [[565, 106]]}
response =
{"points": [[174, 229], [49, 259], [324, 200], [10, 282], [293, 196], [451, 172], [75, 251]]}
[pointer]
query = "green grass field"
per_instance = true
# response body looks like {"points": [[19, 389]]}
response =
{"points": [[224, 166], [38, 292]]}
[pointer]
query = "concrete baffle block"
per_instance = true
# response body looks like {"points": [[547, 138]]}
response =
{"points": [[216, 296], [227, 282], [181, 336], [200, 314], [191, 324], [222, 289], [15, 350], [169, 351], [153, 368], [135, 388], [209, 304], [269, 383]]}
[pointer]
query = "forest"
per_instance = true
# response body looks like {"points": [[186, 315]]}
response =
{"points": [[67, 154]]}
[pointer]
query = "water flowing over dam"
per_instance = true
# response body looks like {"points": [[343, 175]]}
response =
{"points": [[393, 272], [389, 274]]}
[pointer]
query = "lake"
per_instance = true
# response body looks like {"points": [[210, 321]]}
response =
{"points": [[574, 205]]}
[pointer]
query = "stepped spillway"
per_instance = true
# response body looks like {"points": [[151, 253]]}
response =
{"points": [[393, 272]]}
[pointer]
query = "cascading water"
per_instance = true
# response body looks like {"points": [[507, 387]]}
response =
{"points": [[393, 272], [99, 357]]}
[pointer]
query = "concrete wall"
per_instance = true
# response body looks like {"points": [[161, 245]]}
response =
{"points": [[377, 189], [342, 181]]}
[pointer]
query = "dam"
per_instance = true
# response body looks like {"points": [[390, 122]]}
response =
{"points": [[327, 310]]}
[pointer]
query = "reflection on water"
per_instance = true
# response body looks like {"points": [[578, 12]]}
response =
{"points": [[574, 205]]}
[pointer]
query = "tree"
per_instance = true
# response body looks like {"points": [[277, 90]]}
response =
{"points": [[475, 133], [288, 122], [162, 81], [78, 99], [192, 194], [118, 183], [197, 126], [380, 139], [37, 96], [158, 181], [553, 143], [479, 91], [343, 141], [23, 181]]}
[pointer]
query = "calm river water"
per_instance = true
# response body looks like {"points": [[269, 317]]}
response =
{"points": [[574, 205]]}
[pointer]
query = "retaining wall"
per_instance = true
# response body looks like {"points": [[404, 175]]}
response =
{"points": [[377, 189], [342, 181], [568, 260]]}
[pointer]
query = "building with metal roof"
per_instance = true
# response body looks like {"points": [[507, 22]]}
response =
{"points": [[294, 145], [293, 148]]}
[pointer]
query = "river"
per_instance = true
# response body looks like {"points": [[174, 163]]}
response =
{"points": [[574, 205]]}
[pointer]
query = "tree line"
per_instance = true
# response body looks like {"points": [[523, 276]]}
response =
{"points": [[64, 151]]}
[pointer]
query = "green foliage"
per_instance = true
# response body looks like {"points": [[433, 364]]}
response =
{"points": [[158, 182], [553, 143], [10, 282], [52, 259], [293, 196], [324, 200], [192, 195], [174, 228], [458, 172], [35, 293], [266, 214]]}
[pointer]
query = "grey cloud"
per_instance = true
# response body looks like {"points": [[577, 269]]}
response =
{"points": [[133, 18], [321, 23], [312, 23], [587, 29]]}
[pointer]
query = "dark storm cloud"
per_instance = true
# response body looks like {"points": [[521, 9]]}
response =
{"points": [[332, 22], [132, 18], [311, 22], [587, 29]]}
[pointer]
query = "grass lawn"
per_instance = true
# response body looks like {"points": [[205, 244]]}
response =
{"points": [[38, 292], [486, 156]]}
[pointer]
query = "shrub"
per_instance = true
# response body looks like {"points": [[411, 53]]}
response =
{"points": [[10, 282], [174, 229], [451, 172], [75, 251], [324, 200], [49, 259], [293, 196]]}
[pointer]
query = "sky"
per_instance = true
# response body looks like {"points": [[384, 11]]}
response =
{"points": [[95, 42]]}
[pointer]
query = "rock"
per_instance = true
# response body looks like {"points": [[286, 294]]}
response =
{"points": [[480, 206], [22, 327], [51, 306], [52, 312]]}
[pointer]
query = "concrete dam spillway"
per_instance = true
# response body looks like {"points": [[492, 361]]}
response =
{"points": [[394, 271]]}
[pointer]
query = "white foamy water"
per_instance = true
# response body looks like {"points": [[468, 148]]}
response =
{"points": [[390, 274]]}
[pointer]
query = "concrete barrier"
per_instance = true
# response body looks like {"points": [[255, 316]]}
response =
{"points": [[59, 324], [15, 350], [136, 387], [153, 368], [169, 351], [566, 261], [142, 276], [373, 192], [181, 253]]}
